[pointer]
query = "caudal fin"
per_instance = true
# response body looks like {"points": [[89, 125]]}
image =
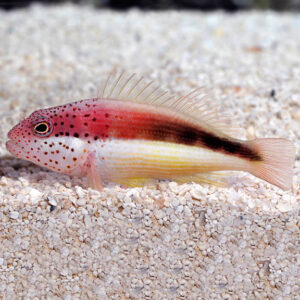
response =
{"points": [[278, 157]]}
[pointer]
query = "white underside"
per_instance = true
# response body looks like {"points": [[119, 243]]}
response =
{"points": [[119, 159]]}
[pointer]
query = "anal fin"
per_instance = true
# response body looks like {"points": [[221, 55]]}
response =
{"points": [[213, 178], [134, 182]]}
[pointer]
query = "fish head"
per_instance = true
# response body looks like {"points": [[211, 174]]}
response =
{"points": [[41, 139]]}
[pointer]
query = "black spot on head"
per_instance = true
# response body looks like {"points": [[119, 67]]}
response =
{"points": [[106, 115], [86, 134], [67, 133], [72, 126], [76, 135], [95, 138], [94, 119], [86, 115]]}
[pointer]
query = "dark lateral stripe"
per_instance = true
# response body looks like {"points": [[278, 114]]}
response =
{"points": [[188, 135], [152, 126], [229, 147]]}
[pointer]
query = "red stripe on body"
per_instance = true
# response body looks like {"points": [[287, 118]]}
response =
{"points": [[104, 119]]}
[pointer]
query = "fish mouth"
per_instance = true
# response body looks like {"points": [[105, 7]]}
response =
{"points": [[9, 135], [12, 146]]}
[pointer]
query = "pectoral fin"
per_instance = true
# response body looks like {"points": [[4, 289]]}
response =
{"points": [[94, 180]]}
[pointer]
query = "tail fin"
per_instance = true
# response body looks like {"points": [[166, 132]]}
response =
{"points": [[277, 165]]}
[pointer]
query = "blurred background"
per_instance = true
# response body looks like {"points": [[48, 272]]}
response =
{"points": [[229, 5]]}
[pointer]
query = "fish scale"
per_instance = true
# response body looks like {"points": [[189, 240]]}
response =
{"points": [[136, 133]]}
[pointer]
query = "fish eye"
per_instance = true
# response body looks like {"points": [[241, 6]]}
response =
{"points": [[42, 128]]}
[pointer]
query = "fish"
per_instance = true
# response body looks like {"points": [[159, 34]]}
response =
{"points": [[134, 133]]}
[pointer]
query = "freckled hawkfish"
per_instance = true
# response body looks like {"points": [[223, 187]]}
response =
{"points": [[135, 132]]}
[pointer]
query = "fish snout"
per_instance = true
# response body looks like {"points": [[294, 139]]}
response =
{"points": [[16, 132], [11, 146], [10, 134]]}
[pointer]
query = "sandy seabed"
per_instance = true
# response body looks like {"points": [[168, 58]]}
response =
{"points": [[60, 240]]}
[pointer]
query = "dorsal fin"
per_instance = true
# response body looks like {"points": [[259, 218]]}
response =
{"points": [[195, 105]]}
